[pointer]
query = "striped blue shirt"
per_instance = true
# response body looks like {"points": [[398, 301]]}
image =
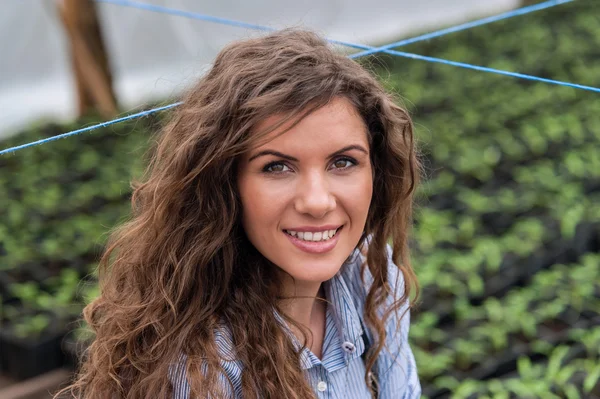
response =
{"points": [[340, 372]]}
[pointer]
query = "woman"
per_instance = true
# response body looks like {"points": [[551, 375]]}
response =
{"points": [[255, 263]]}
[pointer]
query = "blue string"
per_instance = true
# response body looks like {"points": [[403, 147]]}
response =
{"points": [[187, 14], [468, 25], [204, 17], [492, 70], [385, 49], [87, 129], [369, 49]]}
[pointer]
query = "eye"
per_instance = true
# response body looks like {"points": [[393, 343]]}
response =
{"points": [[343, 163], [276, 167]]}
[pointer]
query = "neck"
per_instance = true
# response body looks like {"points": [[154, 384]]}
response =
{"points": [[301, 304]]}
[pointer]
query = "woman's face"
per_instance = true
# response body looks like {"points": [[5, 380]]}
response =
{"points": [[306, 193]]}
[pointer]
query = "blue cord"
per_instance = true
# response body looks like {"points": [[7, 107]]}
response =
{"points": [[87, 129], [387, 48], [468, 25], [369, 50], [204, 17], [187, 14], [492, 70]]}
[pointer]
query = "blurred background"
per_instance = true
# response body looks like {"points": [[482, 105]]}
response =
{"points": [[506, 242], [154, 55]]}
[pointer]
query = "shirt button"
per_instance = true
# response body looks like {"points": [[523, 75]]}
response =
{"points": [[348, 347], [322, 386]]}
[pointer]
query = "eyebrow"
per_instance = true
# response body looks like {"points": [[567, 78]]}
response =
{"points": [[357, 147]]}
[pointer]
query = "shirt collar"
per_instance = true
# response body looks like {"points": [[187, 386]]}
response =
{"points": [[346, 320]]}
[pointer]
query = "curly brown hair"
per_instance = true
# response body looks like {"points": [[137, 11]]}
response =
{"points": [[182, 266]]}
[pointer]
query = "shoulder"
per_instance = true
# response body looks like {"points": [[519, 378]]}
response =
{"points": [[232, 368], [351, 272], [397, 323], [395, 365]]}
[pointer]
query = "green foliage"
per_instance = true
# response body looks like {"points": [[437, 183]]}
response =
{"points": [[551, 379], [513, 174], [32, 326], [60, 201]]}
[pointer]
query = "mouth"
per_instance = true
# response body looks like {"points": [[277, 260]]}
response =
{"points": [[314, 242], [313, 236]]}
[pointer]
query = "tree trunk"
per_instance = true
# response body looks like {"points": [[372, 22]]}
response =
{"points": [[88, 58]]}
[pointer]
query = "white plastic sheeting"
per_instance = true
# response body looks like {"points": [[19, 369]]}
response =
{"points": [[156, 55]]}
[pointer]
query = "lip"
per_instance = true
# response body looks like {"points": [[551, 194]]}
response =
{"points": [[316, 247], [313, 229]]}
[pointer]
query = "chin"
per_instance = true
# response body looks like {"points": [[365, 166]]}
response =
{"points": [[313, 270]]}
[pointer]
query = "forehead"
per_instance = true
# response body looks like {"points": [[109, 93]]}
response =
{"points": [[336, 124]]}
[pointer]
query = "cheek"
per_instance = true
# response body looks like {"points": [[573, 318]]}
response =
{"points": [[261, 205], [356, 195], [251, 204], [364, 196]]}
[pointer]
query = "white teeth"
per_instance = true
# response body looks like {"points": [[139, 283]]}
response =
{"points": [[310, 236]]}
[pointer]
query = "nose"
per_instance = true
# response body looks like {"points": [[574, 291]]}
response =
{"points": [[314, 197]]}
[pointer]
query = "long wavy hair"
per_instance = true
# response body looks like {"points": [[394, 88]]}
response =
{"points": [[181, 267]]}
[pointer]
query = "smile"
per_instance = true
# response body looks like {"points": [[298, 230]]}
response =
{"points": [[313, 236], [315, 242]]}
